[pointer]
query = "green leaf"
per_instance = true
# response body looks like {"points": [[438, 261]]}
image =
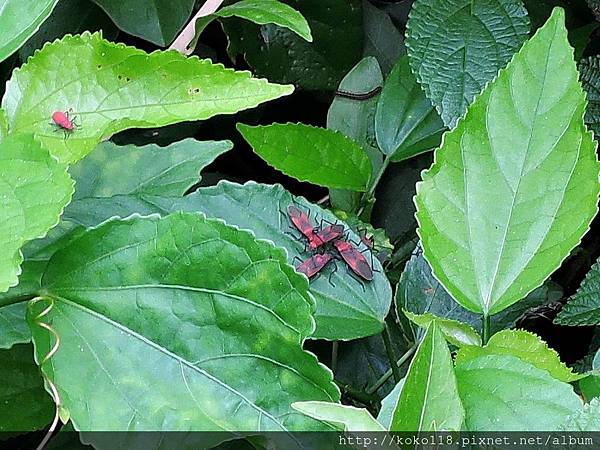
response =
{"points": [[346, 308], [355, 119], [312, 154], [588, 419], [515, 185], [34, 189], [583, 308], [525, 346], [353, 419], [457, 46], [19, 19], [157, 21], [168, 171], [263, 12], [589, 70], [429, 400], [281, 55], [388, 405], [228, 304], [24, 405], [505, 393], [382, 39], [111, 87], [580, 38], [590, 385], [406, 123], [13, 327], [456, 333]]}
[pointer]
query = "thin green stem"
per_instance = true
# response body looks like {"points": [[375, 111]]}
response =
{"points": [[388, 374], [487, 321], [334, 356], [389, 349], [356, 394], [17, 299], [376, 180]]}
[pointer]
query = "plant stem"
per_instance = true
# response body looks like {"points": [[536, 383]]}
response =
{"points": [[376, 180], [485, 331], [388, 374], [334, 356], [17, 299], [389, 349], [186, 36], [356, 394]]}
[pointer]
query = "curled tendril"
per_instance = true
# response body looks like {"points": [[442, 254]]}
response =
{"points": [[38, 320]]}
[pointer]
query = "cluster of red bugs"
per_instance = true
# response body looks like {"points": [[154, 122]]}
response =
{"points": [[333, 243]]}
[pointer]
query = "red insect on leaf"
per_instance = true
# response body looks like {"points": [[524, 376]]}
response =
{"points": [[301, 221], [355, 259], [64, 121], [313, 265], [327, 234]]}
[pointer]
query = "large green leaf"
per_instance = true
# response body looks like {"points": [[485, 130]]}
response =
{"points": [[19, 19], [228, 306], [281, 55], [353, 419], [111, 87], [457, 46], [34, 189], [24, 405], [157, 21], [524, 345], [429, 399], [515, 185], [590, 78], [263, 12], [312, 154], [505, 393], [583, 308], [406, 123], [346, 307], [155, 170]]}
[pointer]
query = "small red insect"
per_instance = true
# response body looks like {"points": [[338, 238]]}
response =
{"points": [[64, 121], [315, 238], [355, 259], [327, 234], [313, 265]]}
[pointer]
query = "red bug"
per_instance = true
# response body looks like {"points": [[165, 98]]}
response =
{"points": [[313, 265], [355, 259], [64, 121], [326, 235], [315, 239]]}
